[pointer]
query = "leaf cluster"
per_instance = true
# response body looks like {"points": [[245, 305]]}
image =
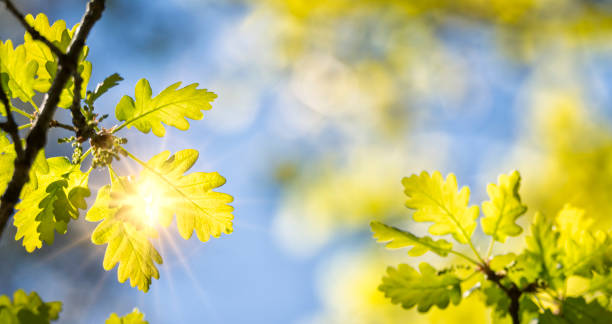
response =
{"points": [[131, 210], [520, 287]]}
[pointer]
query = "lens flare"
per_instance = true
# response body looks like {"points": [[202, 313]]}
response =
{"points": [[143, 202]]}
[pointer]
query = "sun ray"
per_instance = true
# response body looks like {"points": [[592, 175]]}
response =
{"points": [[75, 243], [174, 296], [203, 296]]}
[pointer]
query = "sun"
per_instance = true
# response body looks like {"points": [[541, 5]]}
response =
{"points": [[144, 202]]}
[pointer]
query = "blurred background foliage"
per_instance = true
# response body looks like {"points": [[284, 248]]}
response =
{"points": [[323, 107]]}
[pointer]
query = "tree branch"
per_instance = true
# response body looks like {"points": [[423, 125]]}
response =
{"points": [[55, 123], [82, 129], [10, 126], [37, 138], [513, 292]]}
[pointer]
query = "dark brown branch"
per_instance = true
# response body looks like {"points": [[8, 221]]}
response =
{"points": [[83, 131], [10, 126], [55, 123], [30, 29], [37, 138], [513, 292]]}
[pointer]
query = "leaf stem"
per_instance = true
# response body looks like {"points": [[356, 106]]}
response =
{"points": [[465, 257], [490, 249], [23, 113], [476, 252]]}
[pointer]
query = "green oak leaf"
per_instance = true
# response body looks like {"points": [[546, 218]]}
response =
{"points": [[28, 309], [584, 249], [37, 51], [399, 239], [190, 197], [503, 208], [47, 208], [577, 311], [602, 283], [7, 158], [126, 235], [408, 287], [17, 72], [542, 247], [172, 106], [135, 317], [108, 83], [57, 33], [501, 262], [438, 201]]}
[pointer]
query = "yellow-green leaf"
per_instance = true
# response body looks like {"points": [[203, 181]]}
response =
{"points": [[408, 287], [17, 72], [438, 201], [399, 239], [46, 207], [171, 107], [135, 317], [37, 51], [583, 249], [190, 197], [503, 208], [126, 235], [28, 309], [7, 158]]}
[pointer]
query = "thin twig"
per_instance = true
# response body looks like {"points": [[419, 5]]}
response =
{"points": [[55, 123], [10, 126], [33, 32], [37, 137]]}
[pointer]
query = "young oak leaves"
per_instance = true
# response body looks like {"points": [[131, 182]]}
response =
{"points": [[135, 317], [171, 107], [557, 249], [28, 309], [51, 204], [408, 287], [438, 201], [131, 210], [31, 309], [17, 73], [501, 212], [400, 239], [38, 52]]}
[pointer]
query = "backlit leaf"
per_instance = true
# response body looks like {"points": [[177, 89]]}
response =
{"points": [[28, 309], [190, 197], [17, 72], [542, 247], [127, 237], [503, 208], [436, 200], [46, 208], [108, 83], [135, 317], [408, 287], [399, 239], [577, 311], [171, 107], [37, 51]]}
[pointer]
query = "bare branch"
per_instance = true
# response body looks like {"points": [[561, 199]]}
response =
{"points": [[37, 138], [30, 29], [55, 123], [10, 126]]}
